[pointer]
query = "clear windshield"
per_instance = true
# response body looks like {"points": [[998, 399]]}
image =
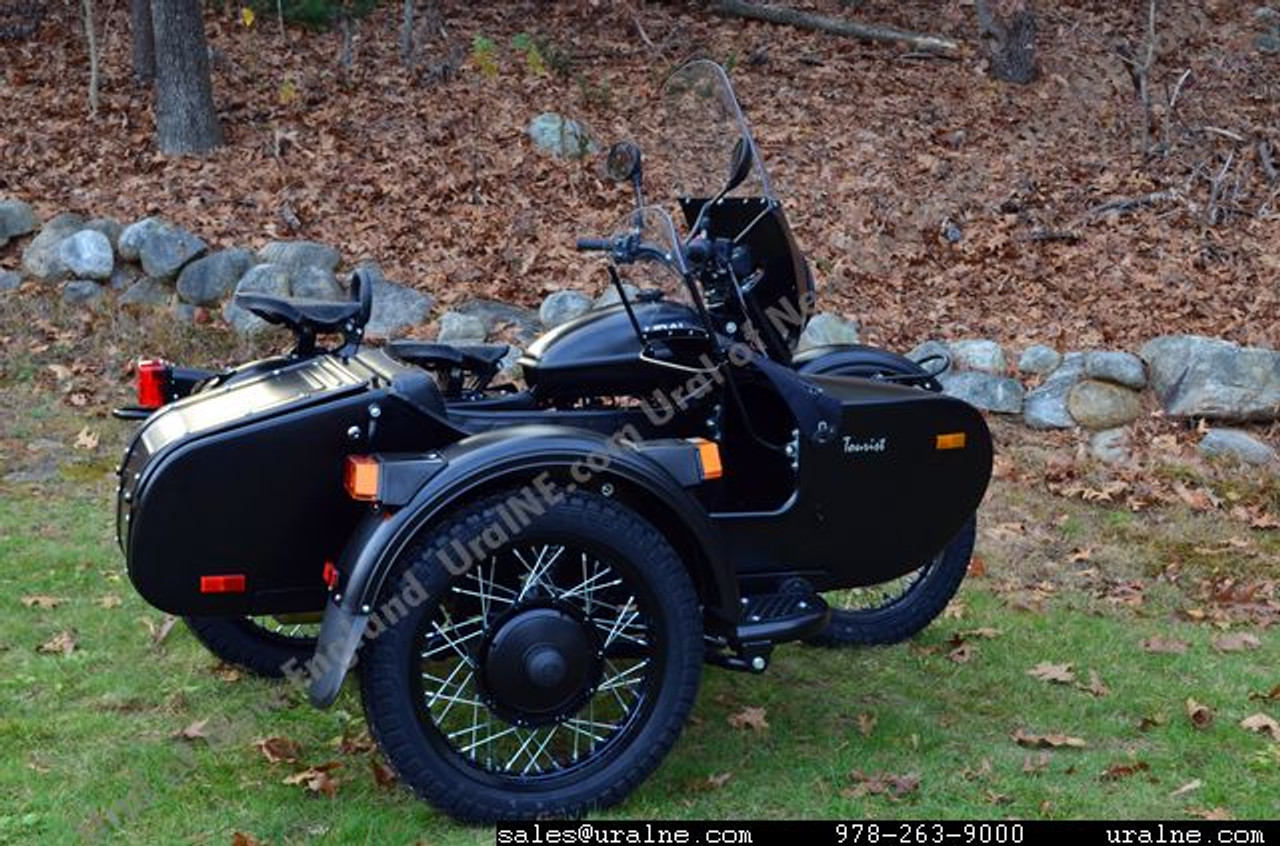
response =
{"points": [[700, 124], [659, 262]]}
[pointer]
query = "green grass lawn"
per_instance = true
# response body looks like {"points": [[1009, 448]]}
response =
{"points": [[89, 742]]}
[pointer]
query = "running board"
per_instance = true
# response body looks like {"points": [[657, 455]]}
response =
{"points": [[766, 620]]}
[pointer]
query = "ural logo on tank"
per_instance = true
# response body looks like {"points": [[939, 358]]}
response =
{"points": [[852, 445]]}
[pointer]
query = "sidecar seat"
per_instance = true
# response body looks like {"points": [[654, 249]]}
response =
{"points": [[479, 358]]}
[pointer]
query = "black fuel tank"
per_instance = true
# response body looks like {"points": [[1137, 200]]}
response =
{"points": [[599, 353]]}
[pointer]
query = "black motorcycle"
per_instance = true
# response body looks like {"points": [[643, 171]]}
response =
{"points": [[532, 576]]}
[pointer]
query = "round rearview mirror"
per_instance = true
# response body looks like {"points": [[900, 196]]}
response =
{"points": [[624, 161], [739, 165]]}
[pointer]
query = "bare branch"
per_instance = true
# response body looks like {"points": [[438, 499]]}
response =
{"points": [[836, 26]]}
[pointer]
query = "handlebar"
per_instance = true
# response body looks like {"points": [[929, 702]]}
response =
{"points": [[596, 244]]}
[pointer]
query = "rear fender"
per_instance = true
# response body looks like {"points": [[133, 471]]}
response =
{"points": [[549, 460]]}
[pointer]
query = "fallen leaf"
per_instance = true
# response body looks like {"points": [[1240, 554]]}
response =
{"points": [[1265, 520], [1201, 715], [719, 780], [866, 724], [1236, 642], [279, 749], [1261, 723], [228, 673], [60, 371], [1194, 784], [1153, 721], [983, 770], [1273, 695], [193, 732], [1096, 685], [1201, 499], [383, 776], [881, 784], [1048, 741], [749, 717], [963, 653], [317, 779], [1036, 764], [984, 632], [159, 632], [239, 838], [1053, 673], [977, 568], [954, 611], [993, 798], [1218, 813], [357, 744], [42, 601], [110, 601], [1115, 772], [1080, 555], [86, 439], [63, 643], [1167, 647]]}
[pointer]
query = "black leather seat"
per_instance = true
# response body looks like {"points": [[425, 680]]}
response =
{"points": [[480, 358], [320, 316]]}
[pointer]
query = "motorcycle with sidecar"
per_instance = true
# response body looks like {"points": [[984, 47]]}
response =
{"points": [[533, 576]]}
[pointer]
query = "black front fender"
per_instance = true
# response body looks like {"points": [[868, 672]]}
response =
{"points": [[870, 362], [546, 458]]}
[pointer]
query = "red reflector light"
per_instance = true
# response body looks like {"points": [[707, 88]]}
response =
{"points": [[153, 382], [330, 575], [222, 584]]}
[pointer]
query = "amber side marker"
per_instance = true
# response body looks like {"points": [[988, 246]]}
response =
{"points": [[361, 477], [951, 440], [709, 456]]}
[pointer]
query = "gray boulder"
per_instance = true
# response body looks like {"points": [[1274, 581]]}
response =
{"points": [[824, 329], [16, 219], [561, 137], [40, 259], [981, 355], [295, 255], [987, 391], [210, 280], [1039, 360], [1122, 368], [162, 248], [10, 280], [87, 255], [84, 292], [395, 307], [494, 314], [1046, 405], [316, 283], [1236, 444], [1102, 405], [458, 328], [270, 279], [931, 350], [1110, 446], [123, 276], [243, 321], [610, 296], [563, 306], [148, 292], [108, 227], [1204, 377]]}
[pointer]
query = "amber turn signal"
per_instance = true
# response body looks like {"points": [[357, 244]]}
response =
{"points": [[951, 440], [361, 477], [709, 456]]}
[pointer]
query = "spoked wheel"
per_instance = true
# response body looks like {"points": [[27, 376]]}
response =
{"points": [[549, 678], [262, 645], [894, 611]]}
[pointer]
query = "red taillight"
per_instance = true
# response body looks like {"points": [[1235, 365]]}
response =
{"points": [[330, 575], [153, 382], [234, 583]]}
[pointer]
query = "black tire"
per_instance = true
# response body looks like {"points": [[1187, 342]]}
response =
{"points": [[259, 647], [899, 609], [412, 723]]}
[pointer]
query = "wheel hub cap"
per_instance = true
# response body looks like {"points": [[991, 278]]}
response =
{"points": [[540, 665]]}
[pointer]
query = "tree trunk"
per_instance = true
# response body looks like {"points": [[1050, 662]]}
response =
{"points": [[185, 117], [144, 42], [91, 34], [1007, 29], [406, 35]]}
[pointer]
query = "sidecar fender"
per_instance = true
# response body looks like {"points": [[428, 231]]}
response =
{"points": [[431, 485], [860, 360]]}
